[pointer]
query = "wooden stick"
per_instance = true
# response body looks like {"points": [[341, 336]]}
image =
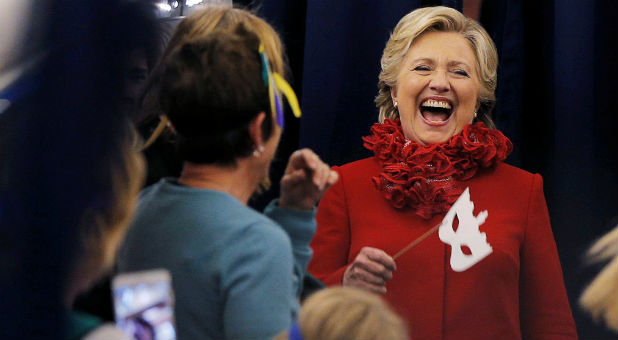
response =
{"points": [[417, 241]]}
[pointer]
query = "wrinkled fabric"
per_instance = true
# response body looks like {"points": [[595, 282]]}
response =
{"points": [[427, 178]]}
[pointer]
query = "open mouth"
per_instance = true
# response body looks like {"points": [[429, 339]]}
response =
{"points": [[436, 111]]}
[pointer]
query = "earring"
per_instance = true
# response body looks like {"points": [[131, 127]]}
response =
{"points": [[395, 104], [474, 114], [258, 151]]}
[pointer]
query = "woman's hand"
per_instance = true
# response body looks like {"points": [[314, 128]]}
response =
{"points": [[305, 180], [370, 270]]}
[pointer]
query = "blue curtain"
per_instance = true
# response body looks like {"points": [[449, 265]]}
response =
{"points": [[581, 164]]}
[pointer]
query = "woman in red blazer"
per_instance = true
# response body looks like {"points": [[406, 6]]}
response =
{"points": [[491, 271]]}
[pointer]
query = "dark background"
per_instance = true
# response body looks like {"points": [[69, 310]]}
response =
{"points": [[556, 101]]}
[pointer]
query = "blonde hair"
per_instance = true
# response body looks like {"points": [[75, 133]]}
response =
{"points": [[349, 313], [600, 298], [206, 20], [104, 223], [226, 19], [440, 19]]}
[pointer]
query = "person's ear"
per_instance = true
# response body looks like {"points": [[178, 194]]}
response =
{"points": [[394, 94], [255, 130]]}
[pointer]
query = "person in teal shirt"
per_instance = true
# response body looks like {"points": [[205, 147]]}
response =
{"points": [[236, 273]]}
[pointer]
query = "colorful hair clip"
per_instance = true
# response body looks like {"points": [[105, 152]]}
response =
{"points": [[276, 85]]}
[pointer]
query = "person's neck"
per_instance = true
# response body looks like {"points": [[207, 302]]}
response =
{"points": [[236, 180]]}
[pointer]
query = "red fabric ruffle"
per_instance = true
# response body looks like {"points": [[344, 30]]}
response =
{"points": [[424, 177]]}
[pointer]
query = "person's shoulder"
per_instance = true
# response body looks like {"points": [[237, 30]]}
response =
{"points": [[510, 178], [362, 166], [509, 171], [237, 223], [192, 218], [156, 189], [169, 193], [361, 163], [244, 225], [355, 175]]}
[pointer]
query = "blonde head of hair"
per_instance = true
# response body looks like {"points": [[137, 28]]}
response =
{"points": [[349, 313], [600, 298], [210, 18], [226, 19], [438, 19]]}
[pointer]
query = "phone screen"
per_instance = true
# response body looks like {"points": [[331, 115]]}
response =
{"points": [[144, 305]]}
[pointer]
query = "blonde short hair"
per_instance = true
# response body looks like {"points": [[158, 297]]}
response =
{"points": [[226, 18], [440, 19], [600, 298], [206, 20], [349, 313]]}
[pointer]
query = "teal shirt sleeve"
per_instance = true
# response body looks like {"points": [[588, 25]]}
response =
{"points": [[300, 226], [257, 283]]}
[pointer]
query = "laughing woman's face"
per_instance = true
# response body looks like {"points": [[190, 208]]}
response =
{"points": [[437, 87]]}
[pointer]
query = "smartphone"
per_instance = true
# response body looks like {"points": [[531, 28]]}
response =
{"points": [[144, 304]]}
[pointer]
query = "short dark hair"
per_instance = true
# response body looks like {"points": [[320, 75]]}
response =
{"points": [[211, 89]]}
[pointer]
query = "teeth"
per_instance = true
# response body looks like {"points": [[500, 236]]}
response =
{"points": [[436, 103]]}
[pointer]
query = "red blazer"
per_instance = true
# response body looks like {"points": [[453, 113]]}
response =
{"points": [[515, 292]]}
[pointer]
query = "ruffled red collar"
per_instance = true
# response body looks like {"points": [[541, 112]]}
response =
{"points": [[425, 177]]}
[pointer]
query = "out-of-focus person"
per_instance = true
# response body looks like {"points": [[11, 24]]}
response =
{"points": [[236, 273], [141, 50], [138, 51], [62, 143], [101, 231], [340, 313], [489, 268], [600, 298]]}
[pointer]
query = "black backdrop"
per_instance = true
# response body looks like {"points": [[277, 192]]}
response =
{"points": [[556, 101]]}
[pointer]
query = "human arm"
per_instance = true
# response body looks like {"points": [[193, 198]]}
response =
{"points": [[300, 227], [370, 268], [305, 180], [257, 284], [544, 307]]}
